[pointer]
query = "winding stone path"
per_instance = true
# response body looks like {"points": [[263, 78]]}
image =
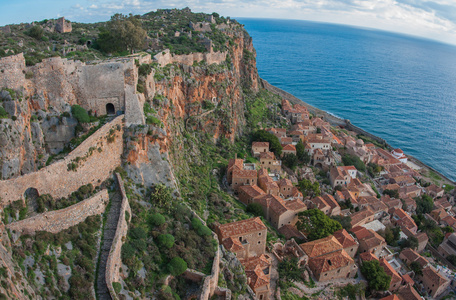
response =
{"points": [[109, 231]]}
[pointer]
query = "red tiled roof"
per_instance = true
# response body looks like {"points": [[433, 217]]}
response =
{"points": [[288, 147], [367, 256], [321, 247], [260, 144], [290, 231], [330, 261], [252, 190], [267, 155], [344, 238], [244, 173], [235, 229]]}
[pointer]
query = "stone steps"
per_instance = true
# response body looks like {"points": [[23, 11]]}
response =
{"points": [[109, 232]]}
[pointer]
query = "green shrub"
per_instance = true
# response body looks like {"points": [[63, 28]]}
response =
{"points": [[153, 120], [177, 266], [256, 209], [80, 114], [156, 219], [138, 233], [3, 113], [200, 229], [166, 240], [36, 32], [117, 287]]}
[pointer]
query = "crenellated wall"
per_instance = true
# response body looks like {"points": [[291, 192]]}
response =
{"points": [[165, 57], [114, 260], [58, 220], [97, 160]]}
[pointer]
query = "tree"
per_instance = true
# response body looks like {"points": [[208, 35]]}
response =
{"points": [[452, 259], [200, 229], [411, 242], [344, 221], [264, 136], [376, 276], [391, 235], [416, 267], [301, 153], [80, 114], [308, 188], [122, 33], [36, 32], [316, 225], [156, 219], [374, 169], [290, 160], [177, 266], [288, 270], [256, 209], [351, 160], [166, 240], [424, 204], [392, 193], [162, 196]]}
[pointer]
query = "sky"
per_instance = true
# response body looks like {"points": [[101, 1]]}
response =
{"points": [[434, 19]]}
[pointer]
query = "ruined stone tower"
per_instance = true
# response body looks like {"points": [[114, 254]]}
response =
{"points": [[62, 25]]}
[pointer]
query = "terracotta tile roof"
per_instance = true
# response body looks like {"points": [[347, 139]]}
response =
{"points": [[286, 140], [236, 163], [295, 205], [290, 231], [330, 261], [368, 237], [395, 277], [260, 144], [320, 203], [360, 216], [391, 186], [321, 247], [232, 245], [391, 297], [295, 132], [288, 148], [275, 203], [434, 188], [284, 182], [263, 172], [346, 168], [254, 270], [421, 236], [329, 199], [408, 279], [344, 238], [432, 275], [405, 219], [407, 292], [252, 190], [367, 256], [411, 255], [244, 173], [267, 155], [238, 228]]}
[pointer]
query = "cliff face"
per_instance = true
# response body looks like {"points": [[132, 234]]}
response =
{"points": [[198, 98]]}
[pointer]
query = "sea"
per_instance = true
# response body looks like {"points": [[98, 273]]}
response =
{"points": [[398, 87]]}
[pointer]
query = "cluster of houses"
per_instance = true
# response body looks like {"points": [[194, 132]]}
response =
{"points": [[333, 257]]}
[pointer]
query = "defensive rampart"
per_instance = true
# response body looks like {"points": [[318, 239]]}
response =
{"points": [[58, 220], [166, 57], [114, 260], [92, 162], [12, 69]]}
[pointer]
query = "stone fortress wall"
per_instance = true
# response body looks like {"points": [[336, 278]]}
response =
{"points": [[58, 220], [58, 181], [165, 57], [114, 260]]}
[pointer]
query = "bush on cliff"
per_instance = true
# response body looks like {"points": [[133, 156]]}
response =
{"points": [[156, 219], [36, 32], [166, 240], [201, 229], [80, 114], [177, 266], [264, 136], [3, 113]]}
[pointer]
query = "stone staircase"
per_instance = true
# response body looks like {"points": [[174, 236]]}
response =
{"points": [[109, 231]]}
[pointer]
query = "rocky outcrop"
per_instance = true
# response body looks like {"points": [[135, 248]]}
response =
{"points": [[58, 220]]}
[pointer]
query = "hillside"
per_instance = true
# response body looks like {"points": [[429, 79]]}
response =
{"points": [[188, 98]]}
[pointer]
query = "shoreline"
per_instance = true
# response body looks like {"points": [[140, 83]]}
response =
{"points": [[336, 121]]}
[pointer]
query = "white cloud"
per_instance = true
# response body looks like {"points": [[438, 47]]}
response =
{"points": [[432, 19]]}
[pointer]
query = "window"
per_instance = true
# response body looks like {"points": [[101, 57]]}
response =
{"points": [[259, 233], [259, 242]]}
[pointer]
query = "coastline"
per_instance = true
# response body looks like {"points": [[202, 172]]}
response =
{"points": [[336, 121]]}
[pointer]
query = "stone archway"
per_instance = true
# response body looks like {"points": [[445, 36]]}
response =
{"points": [[110, 109], [30, 198]]}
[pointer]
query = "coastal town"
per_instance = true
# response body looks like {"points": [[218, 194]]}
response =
{"points": [[394, 219]]}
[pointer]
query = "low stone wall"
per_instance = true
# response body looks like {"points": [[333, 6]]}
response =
{"points": [[211, 282], [114, 260], [97, 159], [164, 58], [58, 220]]}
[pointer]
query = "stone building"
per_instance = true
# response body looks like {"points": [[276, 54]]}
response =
{"points": [[349, 244], [433, 282], [268, 161], [63, 26], [369, 241], [339, 176], [328, 260], [448, 246], [259, 147], [248, 193]]}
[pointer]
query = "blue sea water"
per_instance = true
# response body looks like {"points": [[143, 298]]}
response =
{"points": [[398, 87]]}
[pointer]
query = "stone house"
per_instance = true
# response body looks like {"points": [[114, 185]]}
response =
{"points": [[246, 238], [244, 177], [280, 212], [268, 161], [362, 217], [434, 191], [369, 241], [247, 193], [339, 176], [267, 184], [422, 241], [288, 149], [409, 255], [287, 190], [349, 244], [411, 191], [433, 282], [259, 147], [400, 218], [234, 164], [448, 246], [317, 141], [396, 279], [258, 273], [439, 214], [346, 195], [328, 260]]}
